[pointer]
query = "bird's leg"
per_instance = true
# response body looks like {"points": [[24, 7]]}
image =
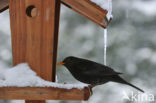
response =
{"points": [[90, 87]]}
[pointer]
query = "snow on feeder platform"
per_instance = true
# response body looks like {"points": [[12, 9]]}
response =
{"points": [[21, 82]]}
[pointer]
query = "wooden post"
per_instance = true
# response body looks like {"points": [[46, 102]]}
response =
{"points": [[34, 29]]}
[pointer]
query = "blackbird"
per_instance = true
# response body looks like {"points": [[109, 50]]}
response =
{"points": [[92, 73]]}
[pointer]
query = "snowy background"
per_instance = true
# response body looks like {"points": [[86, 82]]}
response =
{"points": [[131, 47]]}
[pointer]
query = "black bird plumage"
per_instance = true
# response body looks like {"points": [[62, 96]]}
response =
{"points": [[93, 73]]}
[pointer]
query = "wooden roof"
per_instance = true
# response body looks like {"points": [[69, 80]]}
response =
{"points": [[85, 8]]}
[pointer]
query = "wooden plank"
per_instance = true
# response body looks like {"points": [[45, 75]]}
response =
{"points": [[34, 39], [89, 10], [40, 93], [3, 5]]}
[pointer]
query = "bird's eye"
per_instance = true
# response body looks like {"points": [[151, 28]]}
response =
{"points": [[69, 59]]}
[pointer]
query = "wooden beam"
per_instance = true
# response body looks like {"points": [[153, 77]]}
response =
{"points": [[3, 5], [34, 29], [42, 93], [89, 10]]}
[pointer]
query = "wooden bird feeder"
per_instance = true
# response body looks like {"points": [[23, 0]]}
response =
{"points": [[34, 29]]}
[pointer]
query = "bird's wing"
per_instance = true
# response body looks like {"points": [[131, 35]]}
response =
{"points": [[100, 72], [96, 69]]}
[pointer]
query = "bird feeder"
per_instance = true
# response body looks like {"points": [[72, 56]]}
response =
{"points": [[34, 32]]}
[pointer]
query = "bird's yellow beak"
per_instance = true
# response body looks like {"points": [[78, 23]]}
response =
{"points": [[60, 63]]}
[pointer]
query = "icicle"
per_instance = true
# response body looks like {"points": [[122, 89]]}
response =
{"points": [[105, 46]]}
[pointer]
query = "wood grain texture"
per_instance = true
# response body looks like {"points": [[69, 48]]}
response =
{"points": [[3, 5], [89, 10], [34, 39], [40, 93]]}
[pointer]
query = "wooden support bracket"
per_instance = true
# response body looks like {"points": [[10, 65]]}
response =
{"points": [[89, 10], [43, 93]]}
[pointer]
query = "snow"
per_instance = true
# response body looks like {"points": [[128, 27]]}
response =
{"points": [[105, 4], [105, 46], [22, 76]]}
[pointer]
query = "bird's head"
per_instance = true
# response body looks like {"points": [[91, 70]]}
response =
{"points": [[68, 61]]}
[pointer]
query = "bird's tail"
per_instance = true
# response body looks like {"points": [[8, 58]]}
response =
{"points": [[120, 80]]}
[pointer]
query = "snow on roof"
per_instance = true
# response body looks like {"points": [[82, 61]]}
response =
{"points": [[105, 4], [22, 76]]}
